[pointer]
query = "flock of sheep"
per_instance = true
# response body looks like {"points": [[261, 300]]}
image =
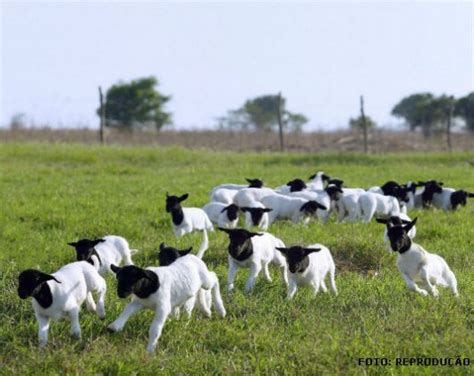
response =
{"points": [[183, 279]]}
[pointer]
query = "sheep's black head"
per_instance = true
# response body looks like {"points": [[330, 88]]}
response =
{"points": [[401, 194], [393, 221], [296, 185], [390, 187], [431, 187], [459, 198], [297, 257], [398, 236], [168, 255], [240, 246], [255, 183], [30, 281], [134, 280], [174, 202], [337, 182], [310, 207], [334, 192], [85, 249], [256, 214], [232, 212]]}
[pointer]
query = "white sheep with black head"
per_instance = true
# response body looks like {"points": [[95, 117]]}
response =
{"points": [[222, 215]]}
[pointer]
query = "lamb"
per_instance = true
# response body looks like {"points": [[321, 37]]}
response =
{"points": [[187, 220], [163, 289], [293, 208], [401, 219], [449, 199], [254, 251], [309, 267], [418, 265], [326, 197], [256, 216], [376, 204], [253, 183], [430, 188], [224, 195], [247, 197], [295, 185], [348, 208], [222, 215], [103, 252], [62, 292], [317, 181]]}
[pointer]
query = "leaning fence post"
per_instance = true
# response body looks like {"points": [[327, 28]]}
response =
{"points": [[364, 123], [102, 116], [280, 121]]}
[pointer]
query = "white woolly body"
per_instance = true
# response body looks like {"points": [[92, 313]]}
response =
{"points": [[78, 280], [224, 195], [418, 265], [317, 183], [321, 196], [348, 208], [248, 196], [114, 250], [284, 207], [443, 200], [193, 219], [215, 214], [379, 205], [180, 283], [321, 265], [264, 253]]}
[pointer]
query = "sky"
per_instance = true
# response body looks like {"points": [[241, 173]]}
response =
{"points": [[212, 56]]}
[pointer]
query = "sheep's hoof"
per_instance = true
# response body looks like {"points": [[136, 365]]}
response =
{"points": [[424, 292], [111, 329]]}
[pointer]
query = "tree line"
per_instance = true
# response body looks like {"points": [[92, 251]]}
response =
{"points": [[140, 105]]}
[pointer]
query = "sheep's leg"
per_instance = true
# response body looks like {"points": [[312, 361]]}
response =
{"points": [[266, 272], [131, 308], [101, 301], [292, 287], [231, 275], [284, 273], [203, 302], [426, 279], [43, 326], [127, 258], [412, 285], [254, 271], [451, 281], [176, 312], [332, 281], [316, 285], [157, 327], [216, 297], [90, 304], [189, 306], [75, 327], [323, 286]]}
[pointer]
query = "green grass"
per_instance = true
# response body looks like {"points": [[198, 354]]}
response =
{"points": [[52, 194]]}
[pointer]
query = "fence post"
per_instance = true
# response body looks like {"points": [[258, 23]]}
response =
{"points": [[364, 123], [280, 121], [449, 122], [102, 116]]}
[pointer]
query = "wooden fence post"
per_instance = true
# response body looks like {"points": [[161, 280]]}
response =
{"points": [[102, 116], [448, 124], [280, 121], [364, 123]]}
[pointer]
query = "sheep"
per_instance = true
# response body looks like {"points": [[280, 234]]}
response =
{"points": [[376, 204], [253, 183], [317, 181], [222, 215], [295, 185], [401, 219], [102, 252], [256, 216], [348, 208], [430, 188], [62, 292], [163, 289], [224, 195], [254, 251], [247, 197], [387, 189], [449, 199], [418, 265], [187, 220], [326, 197], [309, 266], [294, 208]]}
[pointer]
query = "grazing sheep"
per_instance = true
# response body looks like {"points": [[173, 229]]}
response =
{"points": [[163, 289], [430, 188], [222, 215], [62, 292], [449, 199], [247, 197], [418, 265], [256, 216], [103, 252], [295, 185], [187, 220], [308, 267], [254, 251], [224, 195], [379, 205], [294, 208], [253, 183]]}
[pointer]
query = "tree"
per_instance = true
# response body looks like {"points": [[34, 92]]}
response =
{"points": [[260, 114], [358, 124], [412, 109], [465, 108], [136, 105]]}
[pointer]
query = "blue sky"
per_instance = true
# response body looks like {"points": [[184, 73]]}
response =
{"points": [[211, 57]]}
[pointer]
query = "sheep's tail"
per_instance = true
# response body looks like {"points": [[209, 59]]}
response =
{"points": [[204, 245], [133, 251]]}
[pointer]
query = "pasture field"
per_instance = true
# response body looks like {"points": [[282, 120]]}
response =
{"points": [[54, 194]]}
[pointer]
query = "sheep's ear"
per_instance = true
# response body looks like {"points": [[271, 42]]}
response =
{"points": [[115, 268], [225, 209], [421, 183], [183, 197], [184, 252], [312, 176], [380, 220], [255, 234], [409, 226], [307, 251], [162, 246], [405, 222], [325, 177], [48, 277], [282, 250], [321, 206], [245, 209], [224, 229], [469, 194], [72, 244], [249, 180], [440, 183], [267, 210], [97, 241]]}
